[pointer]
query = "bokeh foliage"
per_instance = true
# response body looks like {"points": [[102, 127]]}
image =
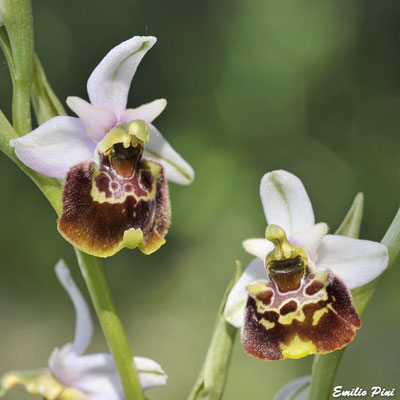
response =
{"points": [[311, 87]]}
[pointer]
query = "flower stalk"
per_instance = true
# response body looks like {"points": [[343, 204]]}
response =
{"points": [[96, 280], [18, 21], [211, 381]]}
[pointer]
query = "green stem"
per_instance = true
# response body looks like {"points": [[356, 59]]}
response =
{"points": [[18, 21], [324, 370], [50, 187], [96, 281], [5, 46], [211, 381], [325, 366]]}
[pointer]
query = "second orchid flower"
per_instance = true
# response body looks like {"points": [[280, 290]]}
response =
{"points": [[294, 299]]}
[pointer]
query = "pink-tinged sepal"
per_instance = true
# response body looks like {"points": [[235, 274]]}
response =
{"points": [[119, 201], [316, 318]]}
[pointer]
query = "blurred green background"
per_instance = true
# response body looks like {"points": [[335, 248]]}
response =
{"points": [[311, 87]]}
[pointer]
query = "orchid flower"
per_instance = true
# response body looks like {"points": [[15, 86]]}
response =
{"points": [[73, 376], [294, 299], [114, 161]]}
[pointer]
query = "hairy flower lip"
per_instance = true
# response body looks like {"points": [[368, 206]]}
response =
{"points": [[108, 218]]}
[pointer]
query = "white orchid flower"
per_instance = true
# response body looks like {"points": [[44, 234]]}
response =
{"points": [[114, 160], [73, 376], [294, 299]]}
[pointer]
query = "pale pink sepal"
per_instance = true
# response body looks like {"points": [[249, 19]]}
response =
{"points": [[109, 83], [55, 146], [355, 261], [98, 121], [286, 202], [176, 168], [146, 112]]}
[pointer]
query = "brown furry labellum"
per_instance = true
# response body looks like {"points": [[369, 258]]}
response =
{"points": [[317, 317], [120, 201]]}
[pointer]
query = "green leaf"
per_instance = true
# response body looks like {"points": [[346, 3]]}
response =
{"points": [[45, 103]]}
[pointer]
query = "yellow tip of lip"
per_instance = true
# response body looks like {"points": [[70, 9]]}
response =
{"points": [[298, 349]]}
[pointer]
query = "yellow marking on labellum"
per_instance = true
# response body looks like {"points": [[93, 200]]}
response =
{"points": [[256, 288], [256, 291], [318, 315], [101, 197], [298, 348], [134, 238], [267, 324], [289, 318], [300, 327], [101, 216]]}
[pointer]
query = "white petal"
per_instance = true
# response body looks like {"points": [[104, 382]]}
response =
{"points": [[235, 304], [258, 247], [59, 364], [286, 202], [55, 146], [150, 373], [310, 239], [84, 326], [98, 121], [355, 261], [109, 83], [176, 168], [297, 389], [96, 376], [147, 112]]}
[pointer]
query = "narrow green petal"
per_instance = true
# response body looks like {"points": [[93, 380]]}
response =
{"points": [[352, 221]]}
